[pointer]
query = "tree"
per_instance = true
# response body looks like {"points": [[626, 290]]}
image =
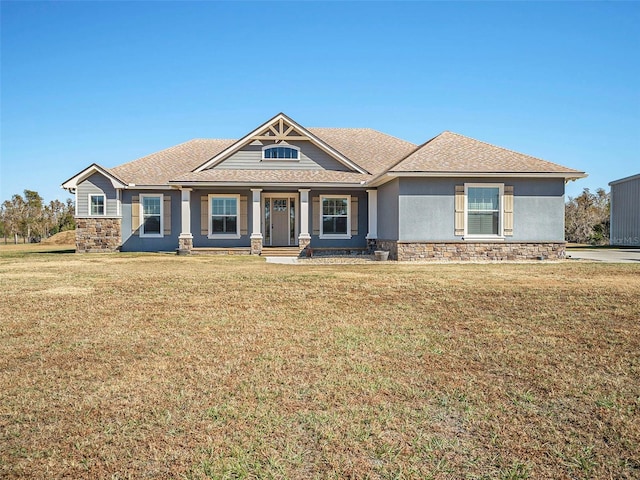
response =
{"points": [[32, 220], [587, 218]]}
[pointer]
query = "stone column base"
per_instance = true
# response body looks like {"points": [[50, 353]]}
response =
{"points": [[185, 244], [304, 242], [256, 245]]}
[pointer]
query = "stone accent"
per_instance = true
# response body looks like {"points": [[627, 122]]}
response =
{"points": [[478, 251], [185, 244], [256, 246], [303, 243], [389, 245], [98, 235]]}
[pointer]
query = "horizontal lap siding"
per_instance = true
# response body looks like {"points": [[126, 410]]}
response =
{"points": [[96, 184], [311, 158], [358, 239]]}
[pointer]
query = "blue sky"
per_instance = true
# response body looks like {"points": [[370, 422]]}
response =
{"points": [[109, 82]]}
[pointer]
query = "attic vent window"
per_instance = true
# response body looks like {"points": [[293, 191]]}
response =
{"points": [[278, 152]]}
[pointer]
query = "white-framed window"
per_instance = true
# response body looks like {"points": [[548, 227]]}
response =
{"points": [[97, 204], [280, 152], [483, 210], [224, 216], [151, 215], [335, 216]]}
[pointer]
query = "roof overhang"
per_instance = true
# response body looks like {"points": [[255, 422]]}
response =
{"points": [[269, 125], [388, 176], [625, 179], [197, 184], [73, 182]]}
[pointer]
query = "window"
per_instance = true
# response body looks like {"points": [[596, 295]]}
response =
{"points": [[224, 218], [151, 211], [97, 205], [279, 152], [483, 210], [335, 221]]}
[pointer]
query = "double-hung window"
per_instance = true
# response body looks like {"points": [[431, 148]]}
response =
{"points": [[224, 216], [151, 215], [483, 215], [97, 205], [335, 216]]}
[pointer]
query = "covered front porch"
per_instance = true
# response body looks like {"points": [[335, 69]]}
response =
{"points": [[256, 218]]}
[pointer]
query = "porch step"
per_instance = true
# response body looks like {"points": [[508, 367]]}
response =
{"points": [[221, 251], [280, 252]]}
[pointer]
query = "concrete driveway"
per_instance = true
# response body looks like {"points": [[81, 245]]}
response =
{"points": [[609, 255]]}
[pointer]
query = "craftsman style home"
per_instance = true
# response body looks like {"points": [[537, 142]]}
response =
{"points": [[327, 189]]}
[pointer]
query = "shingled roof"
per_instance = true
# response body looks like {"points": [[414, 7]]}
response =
{"points": [[451, 152], [373, 151]]}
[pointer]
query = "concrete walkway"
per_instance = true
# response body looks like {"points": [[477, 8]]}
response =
{"points": [[284, 260], [608, 255]]}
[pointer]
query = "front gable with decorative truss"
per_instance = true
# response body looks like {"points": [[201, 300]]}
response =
{"points": [[281, 130]]}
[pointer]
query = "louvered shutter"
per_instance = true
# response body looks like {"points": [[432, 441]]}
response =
{"points": [[459, 210], [135, 215], [316, 215], [507, 214], [243, 215], [204, 215], [354, 215], [167, 215]]}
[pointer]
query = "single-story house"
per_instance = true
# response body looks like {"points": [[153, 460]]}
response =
{"points": [[315, 189], [625, 211]]}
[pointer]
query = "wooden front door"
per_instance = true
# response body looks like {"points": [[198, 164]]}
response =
{"points": [[279, 222]]}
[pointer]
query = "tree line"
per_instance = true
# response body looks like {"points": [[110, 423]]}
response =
{"points": [[587, 218], [30, 219]]}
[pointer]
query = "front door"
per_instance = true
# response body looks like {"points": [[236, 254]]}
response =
{"points": [[280, 222]]}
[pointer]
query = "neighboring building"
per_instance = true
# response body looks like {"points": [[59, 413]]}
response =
{"points": [[327, 188], [625, 211]]}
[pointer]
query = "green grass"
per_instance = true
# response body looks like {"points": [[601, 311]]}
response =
{"points": [[155, 366]]}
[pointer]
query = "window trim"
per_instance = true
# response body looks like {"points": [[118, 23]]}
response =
{"points": [[104, 205], [220, 236], [142, 232], [341, 236], [275, 145], [500, 234]]}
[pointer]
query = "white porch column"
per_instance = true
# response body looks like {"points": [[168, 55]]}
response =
{"points": [[373, 215], [256, 234], [185, 240], [304, 239]]}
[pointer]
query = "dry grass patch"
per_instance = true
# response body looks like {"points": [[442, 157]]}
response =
{"points": [[133, 365]]}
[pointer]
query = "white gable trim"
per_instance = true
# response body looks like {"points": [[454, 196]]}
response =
{"points": [[73, 182], [279, 118]]}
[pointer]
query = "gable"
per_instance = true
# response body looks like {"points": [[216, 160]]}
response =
{"points": [[281, 130], [310, 158]]}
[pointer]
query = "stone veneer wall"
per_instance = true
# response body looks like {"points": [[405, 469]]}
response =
{"points": [[467, 251], [98, 235]]}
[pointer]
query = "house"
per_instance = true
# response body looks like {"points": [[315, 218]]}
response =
{"points": [[284, 184], [625, 211]]}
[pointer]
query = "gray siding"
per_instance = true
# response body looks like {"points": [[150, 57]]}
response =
{"points": [[625, 212], [388, 210], [311, 158], [96, 184], [356, 241], [133, 243], [200, 240], [426, 207]]}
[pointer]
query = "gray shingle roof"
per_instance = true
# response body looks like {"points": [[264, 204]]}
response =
{"points": [[451, 152], [373, 151], [160, 167]]}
